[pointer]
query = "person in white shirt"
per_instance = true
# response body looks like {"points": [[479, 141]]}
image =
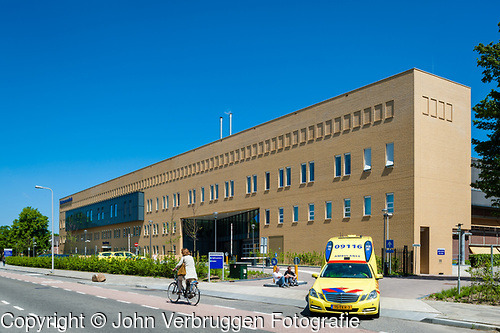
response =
{"points": [[279, 278], [191, 275]]}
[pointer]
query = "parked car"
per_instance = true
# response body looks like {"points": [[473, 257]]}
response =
{"points": [[119, 255]]}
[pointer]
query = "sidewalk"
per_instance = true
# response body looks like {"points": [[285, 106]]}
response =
{"points": [[452, 314]]}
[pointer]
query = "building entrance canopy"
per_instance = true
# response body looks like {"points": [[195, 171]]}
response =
{"points": [[237, 233]]}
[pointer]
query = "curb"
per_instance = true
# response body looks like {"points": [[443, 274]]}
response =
{"points": [[461, 324]]}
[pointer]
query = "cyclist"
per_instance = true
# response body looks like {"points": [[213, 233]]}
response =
{"points": [[190, 275]]}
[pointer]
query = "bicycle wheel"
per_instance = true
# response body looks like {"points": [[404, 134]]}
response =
{"points": [[172, 292], [194, 295]]}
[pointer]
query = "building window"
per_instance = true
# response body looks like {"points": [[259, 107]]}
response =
{"points": [[157, 203], [231, 183], [338, 165], [216, 191], [347, 207], [280, 215], [166, 202], [249, 184], [163, 203], [190, 197], [367, 206], [211, 192], [111, 211], [328, 210], [311, 171], [389, 202], [91, 215], [303, 173], [202, 194], [194, 196], [174, 227], [175, 200], [268, 181], [389, 154], [347, 164], [268, 216], [311, 212], [226, 189], [288, 176], [367, 159], [295, 217], [254, 183], [281, 176]]}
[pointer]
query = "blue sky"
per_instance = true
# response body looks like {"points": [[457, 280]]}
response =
{"points": [[91, 90]]}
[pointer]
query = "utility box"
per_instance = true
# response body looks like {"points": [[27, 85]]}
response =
{"points": [[238, 271]]}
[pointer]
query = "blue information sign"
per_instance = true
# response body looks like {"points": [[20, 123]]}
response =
{"points": [[274, 261], [7, 252], [216, 260], [390, 251], [441, 252], [389, 244]]}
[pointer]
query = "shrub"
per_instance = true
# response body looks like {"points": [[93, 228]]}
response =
{"points": [[145, 267]]}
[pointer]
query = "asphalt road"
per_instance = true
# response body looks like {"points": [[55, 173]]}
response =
{"points": [[26, 300]]}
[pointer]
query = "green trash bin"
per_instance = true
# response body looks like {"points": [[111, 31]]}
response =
{"points": [[238, 271]]}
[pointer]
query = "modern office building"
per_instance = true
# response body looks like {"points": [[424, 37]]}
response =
{"points": [[401, 145]]}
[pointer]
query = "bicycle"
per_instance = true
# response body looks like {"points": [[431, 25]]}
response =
{"points": [[192, 296]]}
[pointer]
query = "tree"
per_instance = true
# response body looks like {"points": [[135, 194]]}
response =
{"points": [[31, 225], [190, 228], [4, 237], [488, 119]]}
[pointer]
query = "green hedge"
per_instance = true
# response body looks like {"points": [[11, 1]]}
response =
{"points": [[145, 267], [484, 260]]}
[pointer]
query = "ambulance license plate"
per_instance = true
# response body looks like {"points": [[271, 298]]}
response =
{"points": [[341, 307]]}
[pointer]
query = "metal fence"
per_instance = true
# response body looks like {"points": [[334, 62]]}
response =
{"points": [[400, 261]]}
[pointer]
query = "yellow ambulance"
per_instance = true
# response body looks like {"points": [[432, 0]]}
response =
{"points": [[348, 282]]}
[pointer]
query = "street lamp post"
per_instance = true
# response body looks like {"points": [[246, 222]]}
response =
{"points": [[215, 216], [52, 242], [386, 237], [34, 245], [149, 233], [85, 235]]}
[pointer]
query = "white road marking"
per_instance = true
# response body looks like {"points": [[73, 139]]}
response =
{"points": [[262, 313], [182, 314], [5, 302], [81, 292], [151, 307], [19, 308], [224, 307], [33, 314], [101, 297], [119, 300]]}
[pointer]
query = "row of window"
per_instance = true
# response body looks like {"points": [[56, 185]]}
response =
{"points": [[367, 209], [108, 234], [307, 175], [156, 229]]}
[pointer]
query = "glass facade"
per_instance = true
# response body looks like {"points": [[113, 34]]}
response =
{"points": [[127, 208], [243, 234]]}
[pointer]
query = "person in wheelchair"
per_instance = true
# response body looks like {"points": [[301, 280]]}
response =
{"points": [[187, 273]]}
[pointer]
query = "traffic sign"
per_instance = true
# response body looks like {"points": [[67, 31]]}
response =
{"points": [[296, 260], [389, 244], [441, 252], [274, 261], [390, 251], [136, 244], [216, 260]]}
